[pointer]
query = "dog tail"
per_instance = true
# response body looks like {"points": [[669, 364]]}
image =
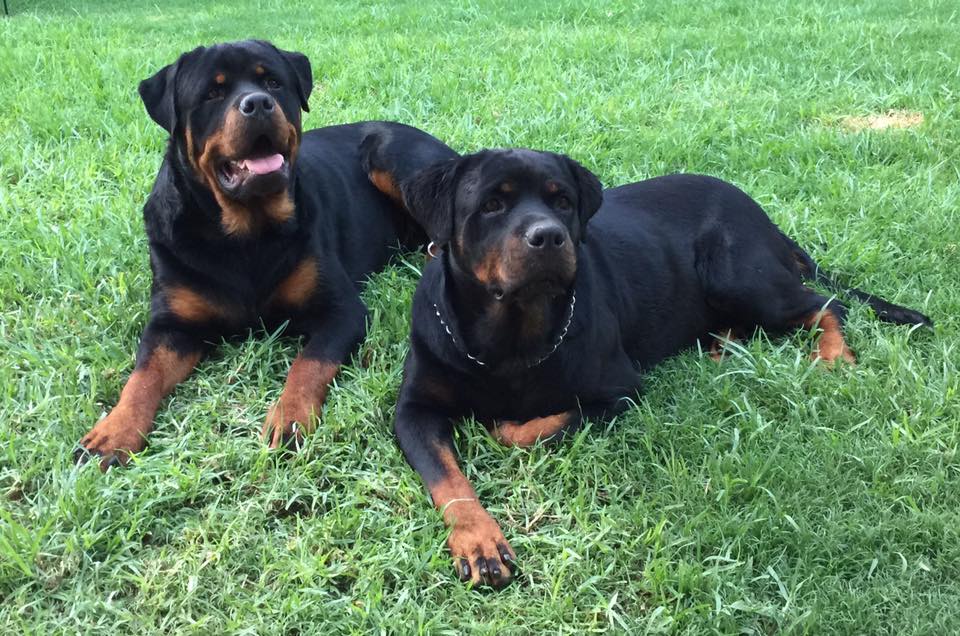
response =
{"points": [[884, 309]]}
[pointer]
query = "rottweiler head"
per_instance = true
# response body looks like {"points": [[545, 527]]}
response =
{"points": [[233, 114], [509, 219]]}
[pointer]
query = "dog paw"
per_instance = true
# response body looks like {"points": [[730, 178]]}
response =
{"points": [[719, 342], [112, 440], [288, 422], [830, 355], [831, 348], [481, 553], [831, 345], [540, 429]]}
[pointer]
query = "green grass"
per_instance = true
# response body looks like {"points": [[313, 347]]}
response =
{"points": [[758, 496]]}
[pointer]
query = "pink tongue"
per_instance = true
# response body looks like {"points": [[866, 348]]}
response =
{"points": [[264, 165]]}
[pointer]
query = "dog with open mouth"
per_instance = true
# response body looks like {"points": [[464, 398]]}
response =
{"points": [[252, 222], [550, 297]]}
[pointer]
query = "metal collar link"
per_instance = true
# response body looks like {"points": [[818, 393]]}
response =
{"points": [[452, 339], [538, 361]]}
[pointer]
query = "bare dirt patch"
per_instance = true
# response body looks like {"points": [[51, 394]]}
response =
{"points": [[883, 121]]}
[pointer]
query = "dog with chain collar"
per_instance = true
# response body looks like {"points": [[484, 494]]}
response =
{"points": [[544, 307]]}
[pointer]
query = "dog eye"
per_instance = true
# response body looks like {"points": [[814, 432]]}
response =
{"points": [[215, 93], [493, 205], [563, 203], [271, 84]]}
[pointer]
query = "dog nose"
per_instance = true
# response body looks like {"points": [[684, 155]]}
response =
{"points": [[545, 234], [257, 105]]}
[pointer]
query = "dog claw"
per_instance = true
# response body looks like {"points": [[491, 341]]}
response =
{"points": [[81, 455]]}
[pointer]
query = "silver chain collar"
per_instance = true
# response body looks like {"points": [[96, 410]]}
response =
{"points": [[538, 361]]}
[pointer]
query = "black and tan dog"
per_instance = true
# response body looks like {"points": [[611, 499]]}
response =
{"points": [[546, 307], [251, 222]]}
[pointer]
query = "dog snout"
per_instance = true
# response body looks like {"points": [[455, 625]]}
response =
{"points": [[545, 235], [257, 105]]}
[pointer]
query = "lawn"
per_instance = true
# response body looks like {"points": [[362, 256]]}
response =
{"points": [[762, 495]]}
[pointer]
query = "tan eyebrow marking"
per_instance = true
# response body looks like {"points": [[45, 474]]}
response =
{"points": [[259, 70], [220, 78], [506, 187], [552, 186]]}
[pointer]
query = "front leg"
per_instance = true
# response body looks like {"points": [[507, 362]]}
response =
{"points": [[553, 427], [330, 342], [523, 434], [622, 379], [476, 542], [165, 358]]}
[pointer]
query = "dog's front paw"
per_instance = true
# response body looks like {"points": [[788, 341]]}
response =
{"points": [[288, 421], [480, 551], [113, 439], [540, 429]]}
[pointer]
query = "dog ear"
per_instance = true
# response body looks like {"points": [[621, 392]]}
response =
{"points": [[429, 196], [158, 93], [300, 65], [589, 193]]}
